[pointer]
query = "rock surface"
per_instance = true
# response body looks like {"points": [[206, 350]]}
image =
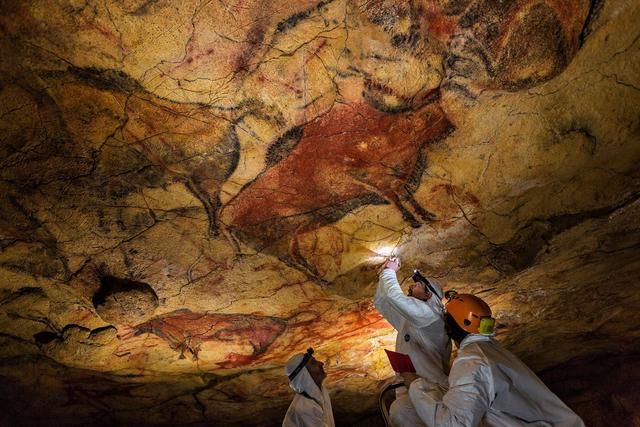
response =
{"points": [[191, 192]]}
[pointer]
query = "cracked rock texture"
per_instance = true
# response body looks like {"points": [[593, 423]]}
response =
{"points": [[191, 192]]}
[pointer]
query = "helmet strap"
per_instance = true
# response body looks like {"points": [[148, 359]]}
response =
{"points": [[454, 331]]}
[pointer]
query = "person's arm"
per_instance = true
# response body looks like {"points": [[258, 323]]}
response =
{"points": [[386, 308], [463, 405], [415, 311]]}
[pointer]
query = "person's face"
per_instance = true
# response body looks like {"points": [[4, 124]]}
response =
{"points": [[420, 291], [316, 370]]}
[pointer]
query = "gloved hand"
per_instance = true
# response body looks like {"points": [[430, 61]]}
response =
{"points": [[408, 378], [393, 263]]}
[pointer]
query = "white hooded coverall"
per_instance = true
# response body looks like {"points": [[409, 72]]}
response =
{"points": [[312, 410], [421, 335], [489, 384]]}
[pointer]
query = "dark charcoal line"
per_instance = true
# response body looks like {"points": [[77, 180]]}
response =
{"points": [[144, 8], [211, 207], [101, 329], [521, 251], [104, 79], [564, 222], [49, 241], [28, 290], [594, 11], [283, 146], [295, 19], [457, 87], [381, 106], [413, 182], [71, 326], [231, 145]]}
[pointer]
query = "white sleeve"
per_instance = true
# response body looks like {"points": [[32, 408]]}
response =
{"points": [[396, 306], [384, 306], [463, 405]]}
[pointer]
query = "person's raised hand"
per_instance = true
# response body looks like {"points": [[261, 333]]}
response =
{"points": [[393, 263]]}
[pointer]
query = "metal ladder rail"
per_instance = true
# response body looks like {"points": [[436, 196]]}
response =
{"points": [[383, 406]]}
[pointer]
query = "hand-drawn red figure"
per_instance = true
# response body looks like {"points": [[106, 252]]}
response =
{"points": [[351, 156], [368, 152], [186, 331]]}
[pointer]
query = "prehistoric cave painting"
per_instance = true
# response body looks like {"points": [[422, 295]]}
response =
{"points": [[194, 144], [487, 44], [152, 142], [358, 319], [186, 331], [238, 340], [372, 151], [325, 165], [511, 44], [351, 156]]}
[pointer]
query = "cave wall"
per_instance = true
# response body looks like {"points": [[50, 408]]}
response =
{"points": [[191, 192]]}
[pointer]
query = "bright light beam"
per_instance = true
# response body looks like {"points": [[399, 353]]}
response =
{"points": [[383, 252]]}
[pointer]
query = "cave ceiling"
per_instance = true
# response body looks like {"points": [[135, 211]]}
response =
{"points": [[191, 192]]}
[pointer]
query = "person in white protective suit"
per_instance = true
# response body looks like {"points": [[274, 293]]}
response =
{"points": [[419, 320], [487, 384], [311, 406]]}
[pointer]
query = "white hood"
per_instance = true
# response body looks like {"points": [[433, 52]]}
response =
{"points": [[303, 383]]}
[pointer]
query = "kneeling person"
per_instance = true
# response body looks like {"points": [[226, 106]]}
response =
{"points": [[487, 383], [311, 407]]}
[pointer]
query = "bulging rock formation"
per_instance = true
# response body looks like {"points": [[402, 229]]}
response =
{"points": [[191, 192]]}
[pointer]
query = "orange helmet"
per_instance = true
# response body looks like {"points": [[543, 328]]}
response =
{"points": [[471, 313]]}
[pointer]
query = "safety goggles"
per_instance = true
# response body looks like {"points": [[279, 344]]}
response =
{"points": [[308, 355]]}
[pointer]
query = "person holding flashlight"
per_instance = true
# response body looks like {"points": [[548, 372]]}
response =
{"points": [[419, 320], [488, 385]]}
